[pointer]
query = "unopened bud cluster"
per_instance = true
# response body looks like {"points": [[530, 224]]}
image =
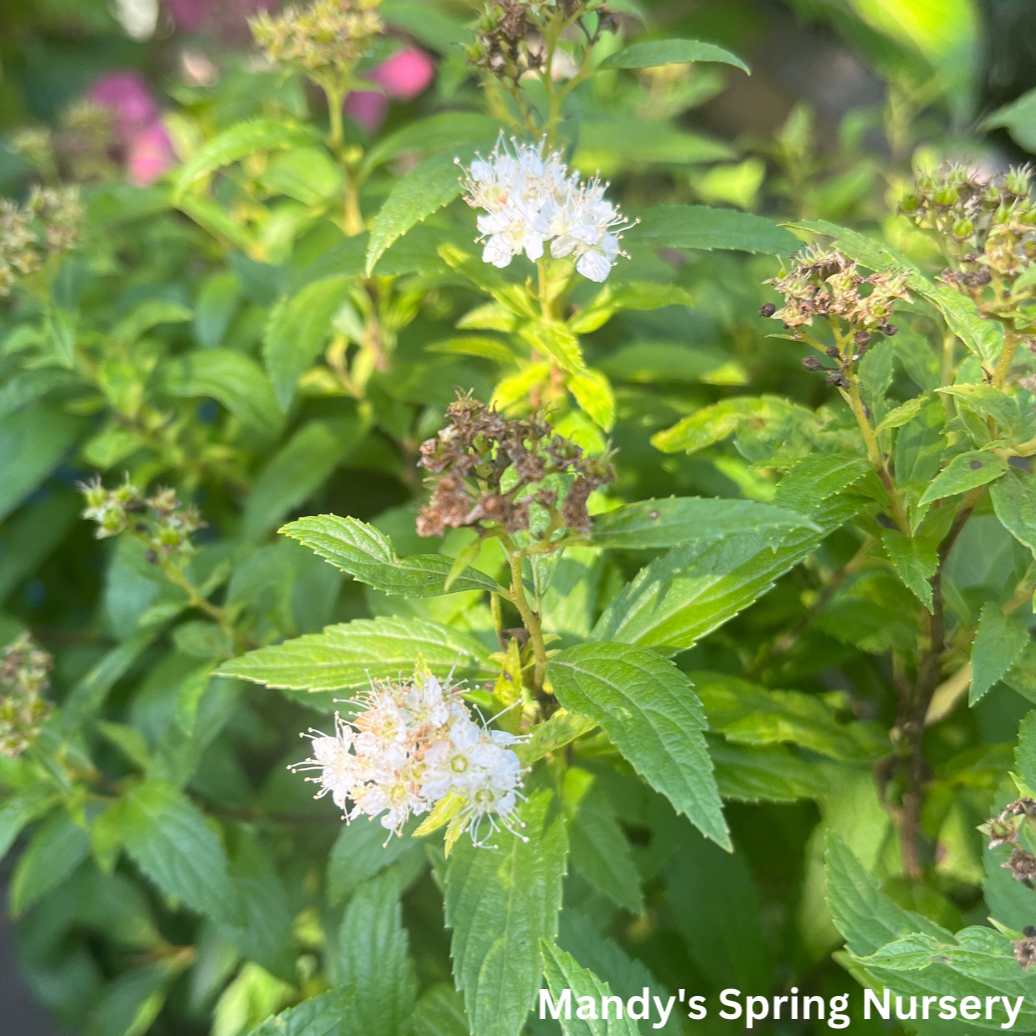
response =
{"points": [[479, 453], [1005, 829], [329, 36], [82, 146], [46, 225], [509, 37], [161, 521], [23, 679], [412, 743]]}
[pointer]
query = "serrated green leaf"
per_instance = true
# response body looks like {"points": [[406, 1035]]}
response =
{"points": [[440, 1012], [424, 190], [965, 471], [598, 849], [679, 521], [558, 342], [434, 133], [237, 142], [594, 395], [767, 773], [1025, 750], [168, 838], [650, 712], [714, 423], [374, 961], [814, 479], [362, 551], [56, 848], [297, 330], [561, 729], [698, 226], [652, 53], [903, 413], [231, 378], [509, 296], [565, 977], [351, 654], [1014, 501], [297, 470], [999, 642], [500, 902], [322, 1015], [362, 850], [692, 590], [914, 560]]}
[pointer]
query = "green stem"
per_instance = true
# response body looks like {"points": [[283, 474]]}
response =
{"points": [[530, 620], [1011, 342], [195, 600]]}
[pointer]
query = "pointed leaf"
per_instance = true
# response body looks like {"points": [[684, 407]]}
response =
{"points": [[564, 975], [999, 642], [964, 472], [915, 560], [698, 226], [651, 53]]}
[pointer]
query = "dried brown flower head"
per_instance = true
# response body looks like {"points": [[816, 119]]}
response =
{"points": [[487, 473]]}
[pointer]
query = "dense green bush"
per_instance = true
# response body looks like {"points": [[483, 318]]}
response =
{"points": [[670, 564]]}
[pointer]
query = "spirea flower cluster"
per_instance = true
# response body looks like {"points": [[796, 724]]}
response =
{"points": [[825, 283], [160, 520], [531, 199], [488, 472], [23, 678], [327, 36], [47, 224], [412, 743]]}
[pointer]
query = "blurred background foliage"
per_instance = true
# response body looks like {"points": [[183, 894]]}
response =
{"points": [[846, 97]]}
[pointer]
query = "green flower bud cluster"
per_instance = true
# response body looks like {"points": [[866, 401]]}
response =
{"points": [[325, 38], [23, 678], [825, 283], [160, 520], [46, 225]]}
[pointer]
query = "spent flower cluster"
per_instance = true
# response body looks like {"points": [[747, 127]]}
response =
{"points": [[412, 743], [322, 39], [160, 520], [1005, 829], [825, 283], [23, 678], [531, 198], [45, 225], [479, 453]]}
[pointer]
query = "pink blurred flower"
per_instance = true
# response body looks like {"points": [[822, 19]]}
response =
{"points": [[403, 77], [126, 94], [149, 154]]}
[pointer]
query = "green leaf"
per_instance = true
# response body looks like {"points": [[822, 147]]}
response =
{"points": [[424, 190], [818, 477], [561, 729], [500, 902], [508, 295], [598, 848], [31, 536], [915, 560], [298, 329], [901, 414], [769, 773], [986, 402], [373, 959], [651, 362], [1025, 750], [749, 714], [434, 133], [237, 142], [714, 423], [146, 316], [999, 641], [440, 1012], [169, 839], [218, 300], [866, 917], [231, 378], [351, 654], [367, 555], [132, 1002], [619, 143], [297, 470], [1014, 501], [1018, 118], [653, 524], [716, 908], [649, 710], [652, 53], [57, 847], [594, 395], [698, 226], [322, 1015], [964, 472], [565, 977], [33, 442], [22, 808], [362, 850], [559, 343], [307, 174], [692, 590]]}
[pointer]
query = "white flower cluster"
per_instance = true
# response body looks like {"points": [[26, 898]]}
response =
{"points": [[531, 198], [413, 743]]}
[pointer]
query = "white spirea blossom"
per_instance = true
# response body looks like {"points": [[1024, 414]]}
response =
{"points": [[531, 198], [412, 743]]}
